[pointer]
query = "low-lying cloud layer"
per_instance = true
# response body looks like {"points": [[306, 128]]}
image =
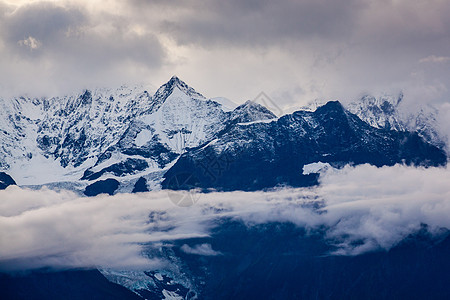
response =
{"points": [[374, 207]]}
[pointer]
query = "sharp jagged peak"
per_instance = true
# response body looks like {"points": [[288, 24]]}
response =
{"points": [[175, 79], [175, 82]]}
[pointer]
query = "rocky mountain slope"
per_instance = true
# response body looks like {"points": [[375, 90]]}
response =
{"points": [[262, 155], [126, 139], [385, 112], [123, 135], [132, 140]]}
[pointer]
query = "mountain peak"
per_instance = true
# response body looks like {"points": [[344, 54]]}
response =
{"points": [[167, 89], [331, 106], [380, 112], [251, 111], [174, 80], [251, 104]]}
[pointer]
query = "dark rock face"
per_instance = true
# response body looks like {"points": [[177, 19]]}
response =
{"points": [[75, 284], [266, 261], [5, 181], [107, 186], [140, 186], [283, 261], [264, 155], [128, 166]]}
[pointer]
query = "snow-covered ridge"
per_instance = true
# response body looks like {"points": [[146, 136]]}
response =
{"points": [[51, 139], [381, 112], [130, 133], [227, 104], [387, 112], [100, 133]]}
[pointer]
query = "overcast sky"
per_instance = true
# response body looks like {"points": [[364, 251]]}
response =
{"points": [[294, 50]]}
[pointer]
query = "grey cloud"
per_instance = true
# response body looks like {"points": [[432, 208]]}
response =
{"points": [[329, 49], [380, 206], [266, 23], [61, 47], [44, 21]]}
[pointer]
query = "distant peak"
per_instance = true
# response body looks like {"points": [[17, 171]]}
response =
{"points": [[174, 77], [251, 111], [381, 99], [167, 89], [335, 106], [175, 81], [249, 104]]}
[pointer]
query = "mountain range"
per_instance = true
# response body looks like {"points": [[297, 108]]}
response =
{"points": [[129, 140]]}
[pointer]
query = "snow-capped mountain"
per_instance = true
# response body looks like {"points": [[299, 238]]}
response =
{"points": [[124, 135], [385, 112], [179, 118], [50, 140], [132, 140], [126, 139], [379, 112], [258, 155]]}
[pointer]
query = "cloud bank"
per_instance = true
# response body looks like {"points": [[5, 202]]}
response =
{"points": [[363, 209], [294, 50]]}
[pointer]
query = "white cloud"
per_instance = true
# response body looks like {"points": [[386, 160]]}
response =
{"points": [[201, 249], [60, 229], [31, 43], [373, 208], [381, 206]]}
